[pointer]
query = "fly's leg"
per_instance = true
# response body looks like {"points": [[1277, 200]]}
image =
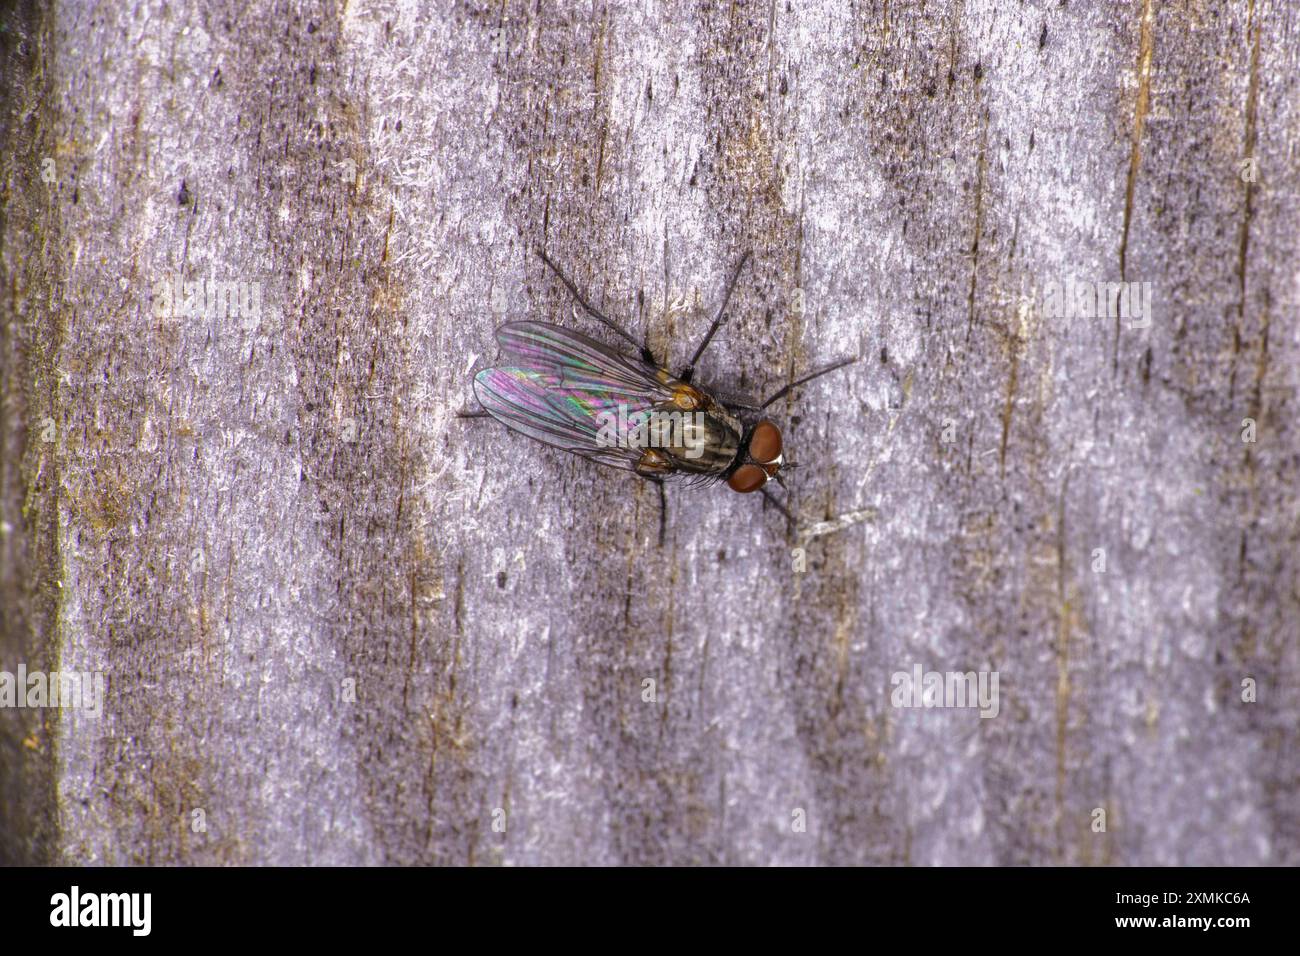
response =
{"points": [[807, 378], [663, 511], [653, 466], [780, 507], [744, 404], [479, 414], [594, 312], [689, 372]]}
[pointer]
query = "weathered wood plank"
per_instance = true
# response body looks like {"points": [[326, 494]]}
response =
{"points": [[236, 521]]}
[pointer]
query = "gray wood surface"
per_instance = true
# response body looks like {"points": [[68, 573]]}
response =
{"points": [[232, 520]]}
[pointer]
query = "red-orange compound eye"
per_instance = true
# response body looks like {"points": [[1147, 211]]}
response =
{"points": [[765, 443], [747, 478]]}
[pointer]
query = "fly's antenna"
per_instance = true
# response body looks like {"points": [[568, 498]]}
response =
{"points": [[807, 378]]}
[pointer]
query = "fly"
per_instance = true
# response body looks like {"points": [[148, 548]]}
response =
{"points": [[567, 390]]}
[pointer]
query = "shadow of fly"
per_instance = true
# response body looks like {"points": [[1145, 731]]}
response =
{"points": [[628, 411]]}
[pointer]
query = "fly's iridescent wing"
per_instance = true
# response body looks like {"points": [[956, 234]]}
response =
{"points": [[559, 386]]}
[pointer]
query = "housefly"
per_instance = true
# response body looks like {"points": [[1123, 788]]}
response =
{"points": [[627, 411]]}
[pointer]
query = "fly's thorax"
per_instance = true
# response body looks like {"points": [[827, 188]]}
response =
{"points": [[698, 441]]}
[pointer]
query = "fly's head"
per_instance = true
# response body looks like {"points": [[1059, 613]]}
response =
{"points": [[761, 459]]}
